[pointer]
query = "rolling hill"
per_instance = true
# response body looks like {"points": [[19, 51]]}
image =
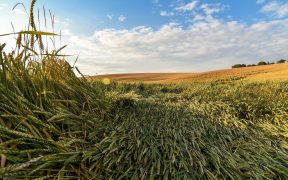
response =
{"points": [[277, 72]]}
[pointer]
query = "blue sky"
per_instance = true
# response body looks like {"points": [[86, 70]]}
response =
{"points": [[93, 14], [122, 36]]}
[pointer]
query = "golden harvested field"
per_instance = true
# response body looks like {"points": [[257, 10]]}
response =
{"points": [[277, 72]]}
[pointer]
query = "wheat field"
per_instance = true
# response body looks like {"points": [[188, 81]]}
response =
{"points": [[215, 125], [276, 72]]}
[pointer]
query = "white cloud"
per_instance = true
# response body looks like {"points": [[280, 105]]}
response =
{"points": [[19, 19], [210, 9], [121, 18], [187, 7], [205, 45], [156, 4], [19, 11], [155, 1], [198, 17], [7, 17], [110, 16], [3, 5], [63, 23], [165, 13], [276, 8], [260, 1]]}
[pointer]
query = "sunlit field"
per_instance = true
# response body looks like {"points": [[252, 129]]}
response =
{"points": [[56, 124], [276, 72]]}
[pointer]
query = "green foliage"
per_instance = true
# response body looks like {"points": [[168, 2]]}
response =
{"points": [[239, 65], [281, 61], [250, 65], [261, 63], [127, 100]]}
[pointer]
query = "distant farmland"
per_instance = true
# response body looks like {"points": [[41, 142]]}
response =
{"points": [[277, 72]]}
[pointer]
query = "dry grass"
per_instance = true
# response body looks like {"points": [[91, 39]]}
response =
{"points": [[278, 72]]}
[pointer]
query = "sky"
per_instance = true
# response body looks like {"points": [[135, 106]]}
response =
{"points": [[129, 36]]}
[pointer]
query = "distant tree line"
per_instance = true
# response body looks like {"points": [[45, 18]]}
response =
{"points": [[260, 63]]}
